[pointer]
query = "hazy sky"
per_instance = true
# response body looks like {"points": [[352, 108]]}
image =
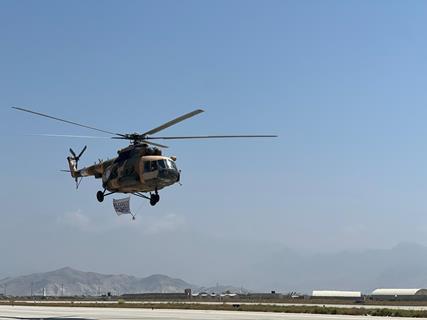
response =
{"points": [[343, 83]]}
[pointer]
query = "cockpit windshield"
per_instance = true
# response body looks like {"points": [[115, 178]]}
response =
{"points": [[166, 164], [159, 164]]}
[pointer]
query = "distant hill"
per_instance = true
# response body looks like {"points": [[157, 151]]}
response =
{"points": [[70, 282], [279, 269]]}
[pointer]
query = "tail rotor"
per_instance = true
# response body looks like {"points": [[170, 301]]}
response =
{"points": [[73, 163], [75, 157]]}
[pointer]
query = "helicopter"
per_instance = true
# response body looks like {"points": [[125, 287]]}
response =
{"points": [[140, 168]]}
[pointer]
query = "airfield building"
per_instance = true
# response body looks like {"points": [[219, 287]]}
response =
{"points": [[399, 294], [336, 294]]}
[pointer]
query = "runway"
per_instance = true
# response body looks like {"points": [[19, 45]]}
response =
{"points": [[285, 304], [81, 313]]}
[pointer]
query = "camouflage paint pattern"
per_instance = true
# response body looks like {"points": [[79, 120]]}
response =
{"points": [[126, 174]]}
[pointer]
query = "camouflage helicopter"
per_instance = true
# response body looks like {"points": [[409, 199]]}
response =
{"points": [[140, 167]]}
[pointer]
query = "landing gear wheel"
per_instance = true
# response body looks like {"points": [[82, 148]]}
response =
{"points": [[100, 196], [154, 198]]}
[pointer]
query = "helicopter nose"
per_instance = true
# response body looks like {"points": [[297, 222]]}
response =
{"points": [[169, 174]]}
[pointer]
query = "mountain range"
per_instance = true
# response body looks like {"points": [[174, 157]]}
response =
{"points": [[71, 282], [279, 268]]}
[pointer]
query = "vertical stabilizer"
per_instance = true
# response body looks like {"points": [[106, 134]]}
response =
{"points": [[72, 163]]}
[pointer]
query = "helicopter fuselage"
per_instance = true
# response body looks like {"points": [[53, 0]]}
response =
{"points": [[136, 169], [140, 174]]}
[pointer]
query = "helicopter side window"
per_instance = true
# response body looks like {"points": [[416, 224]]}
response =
{"points": [[148, 166], [162, 164], [153, 165]]}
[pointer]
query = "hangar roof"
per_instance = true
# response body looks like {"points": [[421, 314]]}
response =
{"points": [[399, 292], [336, 293]]}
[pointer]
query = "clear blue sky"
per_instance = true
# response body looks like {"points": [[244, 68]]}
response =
{"points": [[343, 83]]}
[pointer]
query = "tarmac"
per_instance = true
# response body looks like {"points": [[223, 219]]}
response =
{"points": [[83, 313], [112, 302]]}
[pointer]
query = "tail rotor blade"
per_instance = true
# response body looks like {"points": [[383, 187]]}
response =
{"points": [[84, 149], [73, 153]]}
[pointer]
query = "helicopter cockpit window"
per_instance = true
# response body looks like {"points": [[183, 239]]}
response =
{"points": [[162, 164], [171, 164], [159, 164], [166, 164]]}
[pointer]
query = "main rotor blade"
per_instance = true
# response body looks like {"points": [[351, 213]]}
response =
{"points": [[155, 144], [67, 121], [143, 141], [214, 137], [172, 122], [68, 136]]}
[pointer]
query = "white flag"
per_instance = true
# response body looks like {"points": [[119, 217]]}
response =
{"points": [[122, 206]]}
